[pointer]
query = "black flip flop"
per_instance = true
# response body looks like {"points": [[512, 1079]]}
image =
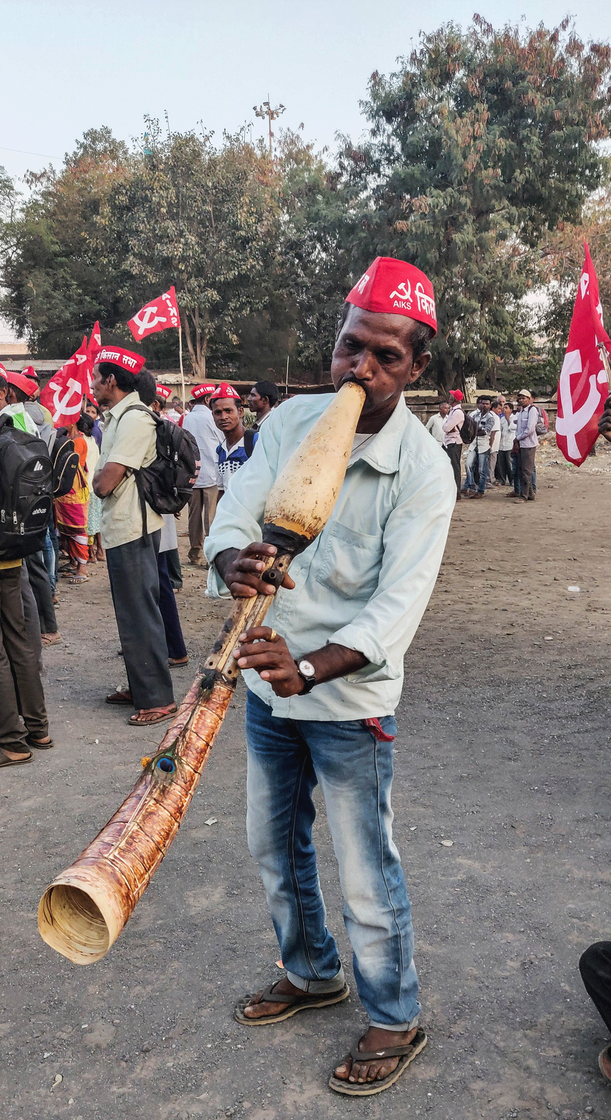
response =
{"points": [[294, 1003], [406, 1054], [6, 761]]}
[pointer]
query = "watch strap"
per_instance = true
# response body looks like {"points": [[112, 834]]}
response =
{"points": [[308, 685]]}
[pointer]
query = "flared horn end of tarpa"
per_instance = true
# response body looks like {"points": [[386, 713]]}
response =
{"points": [[76, 921]]}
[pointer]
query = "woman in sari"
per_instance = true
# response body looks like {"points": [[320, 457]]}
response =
{"points": [[71, 513]]}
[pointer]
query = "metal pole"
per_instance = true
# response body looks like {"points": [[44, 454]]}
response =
{"points": [[287, 376], [182, 372]]}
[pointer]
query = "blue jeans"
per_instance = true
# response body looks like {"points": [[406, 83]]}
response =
{"points": [[483, 460], [287, 758]]}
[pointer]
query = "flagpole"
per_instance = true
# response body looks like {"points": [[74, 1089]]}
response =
{"points": [[182, 372]]}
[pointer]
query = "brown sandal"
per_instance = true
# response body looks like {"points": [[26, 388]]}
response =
{"points": [[6, 761], [152, 716], [295, 1001], [406, 1054], [121, 696]]}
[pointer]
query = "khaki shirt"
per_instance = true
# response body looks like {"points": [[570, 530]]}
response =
{"points": [[132, 444]]}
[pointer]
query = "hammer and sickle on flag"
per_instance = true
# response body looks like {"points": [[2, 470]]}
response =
{"points": [[583, 387], [158, 315], [63, 395]]}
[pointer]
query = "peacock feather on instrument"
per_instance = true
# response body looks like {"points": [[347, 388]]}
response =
{"points": [[84, 910]]}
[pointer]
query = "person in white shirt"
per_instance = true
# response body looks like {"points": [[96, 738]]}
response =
{"points": [[504, 465], [435, 424], [202, 503], [452, 437], [496, 442]]}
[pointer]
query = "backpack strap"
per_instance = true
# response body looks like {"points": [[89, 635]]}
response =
{"points": [[136, 472], [249, 441]]}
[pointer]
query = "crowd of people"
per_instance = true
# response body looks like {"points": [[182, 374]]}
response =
{"points": [[501, 447], [98, 518]]}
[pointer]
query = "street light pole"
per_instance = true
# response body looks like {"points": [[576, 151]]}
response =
{"points": [[265, 110]]}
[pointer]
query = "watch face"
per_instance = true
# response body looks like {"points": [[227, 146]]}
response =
{"points": [[307, 670]]}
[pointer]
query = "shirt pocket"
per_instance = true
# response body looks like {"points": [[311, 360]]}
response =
{"points": [[351, 561]]}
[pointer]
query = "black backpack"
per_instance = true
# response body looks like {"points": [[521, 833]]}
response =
{"points": [[468, 430], [26, 491], [65, 461], [165, 485]]}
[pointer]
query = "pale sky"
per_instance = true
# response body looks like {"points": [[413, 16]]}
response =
{"points": [[70, 65]]}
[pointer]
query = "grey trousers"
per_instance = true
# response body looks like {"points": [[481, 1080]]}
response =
{"points": [[31, 617], [41, 586], [202, 508], [134, 583], [20, 683]]}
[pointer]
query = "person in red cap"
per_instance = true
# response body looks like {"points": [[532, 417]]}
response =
{"points": [[202, 503], [131, 534], [325, 675], [452, 439], [237, 442]]}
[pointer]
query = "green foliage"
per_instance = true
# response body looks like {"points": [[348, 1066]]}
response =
{"points": [[55, 288], [480, 143], [202, 218], [560, 265], [482, 150]]}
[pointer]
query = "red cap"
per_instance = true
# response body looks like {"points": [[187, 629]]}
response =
{"points": [[20, 382], [456, 393], [225, 391], [29, 371], [397, 288], [125, 359], [202, 391], [163, 391]]}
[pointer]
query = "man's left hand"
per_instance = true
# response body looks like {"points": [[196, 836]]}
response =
{"points": [[267, 653]]}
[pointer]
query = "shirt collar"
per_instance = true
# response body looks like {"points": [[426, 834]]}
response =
{"points": [[118, 409], [383, 452]]}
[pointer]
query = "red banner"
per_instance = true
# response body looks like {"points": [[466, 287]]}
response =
{"points": [[583, 387], [158, 315], [63, 395], [95, 344]]}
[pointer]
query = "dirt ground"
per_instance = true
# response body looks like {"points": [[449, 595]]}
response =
{"points": [[502, 749]]}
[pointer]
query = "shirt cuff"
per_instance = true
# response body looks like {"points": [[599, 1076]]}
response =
{"points": [[380, 668]]}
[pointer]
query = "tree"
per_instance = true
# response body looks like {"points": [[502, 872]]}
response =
{"points": [[562, 257], [203, 219], [480, 143], [55, 289]]}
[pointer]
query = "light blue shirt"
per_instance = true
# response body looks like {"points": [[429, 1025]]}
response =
{"points": [[365, 581]]}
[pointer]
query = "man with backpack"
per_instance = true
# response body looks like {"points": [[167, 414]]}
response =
{"points": [[25, 507], [131, 532], [238, 442], [452, 435], [526, 444]]}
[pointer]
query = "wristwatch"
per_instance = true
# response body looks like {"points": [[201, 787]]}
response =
{"points": [[308, 673]]}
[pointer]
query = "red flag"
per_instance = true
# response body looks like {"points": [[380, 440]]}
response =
{"points": [[583, 387], [95, 344], [158, 315], [63, 395]]}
